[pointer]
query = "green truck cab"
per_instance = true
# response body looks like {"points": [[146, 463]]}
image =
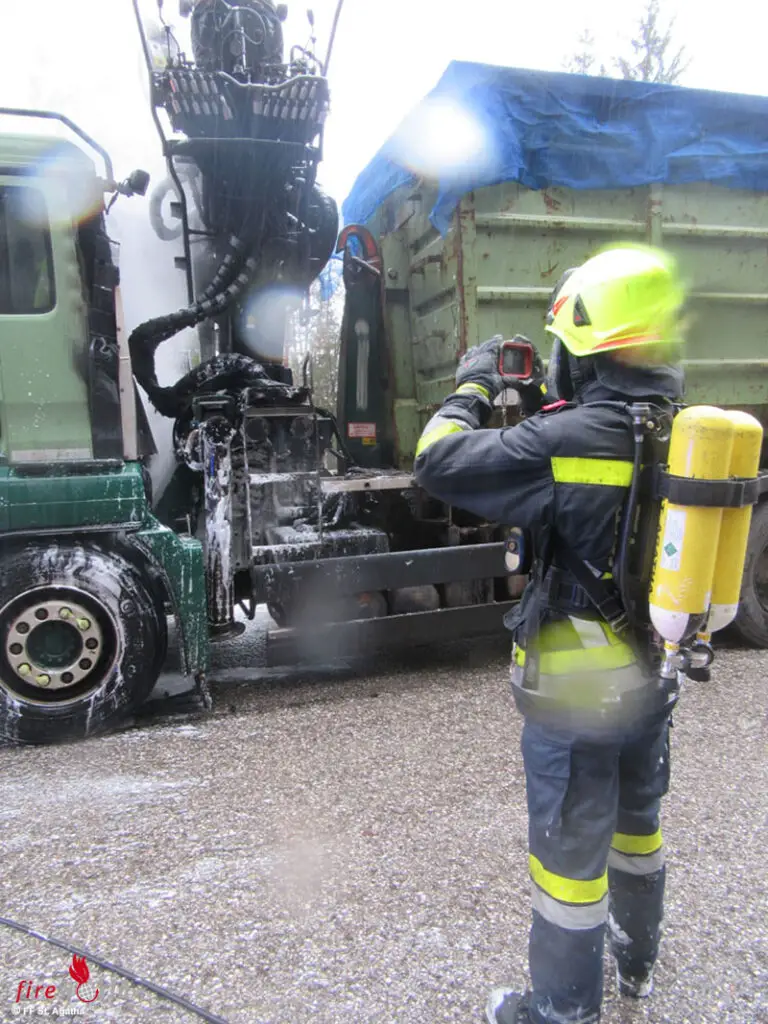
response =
{"points": [[87, 574]]}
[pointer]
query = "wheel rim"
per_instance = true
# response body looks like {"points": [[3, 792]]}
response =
{"points": [[760, 579], [57, 645]]}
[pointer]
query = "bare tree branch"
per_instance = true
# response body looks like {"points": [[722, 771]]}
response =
{"points": [[654, 59], [316, 330], [582, 61], [653, 55]]}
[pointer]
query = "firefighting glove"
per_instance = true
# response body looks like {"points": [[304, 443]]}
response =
{"points": [[479, 366]]}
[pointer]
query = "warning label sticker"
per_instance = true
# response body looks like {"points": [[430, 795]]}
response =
{"points": [[362, 430], [674, 531]]}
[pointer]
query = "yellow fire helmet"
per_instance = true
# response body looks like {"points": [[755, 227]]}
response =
{"points": [[624, 297]]}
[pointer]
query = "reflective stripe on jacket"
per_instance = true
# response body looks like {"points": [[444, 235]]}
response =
{"points": [[570, 467]]}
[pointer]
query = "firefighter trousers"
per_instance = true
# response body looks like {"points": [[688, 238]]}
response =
{"points": [[596, 858]]}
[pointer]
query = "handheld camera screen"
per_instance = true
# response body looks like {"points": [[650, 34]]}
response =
{"points": [[516, 360]]}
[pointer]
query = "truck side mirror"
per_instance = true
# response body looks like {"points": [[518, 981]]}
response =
{"points": [[136, 184]]}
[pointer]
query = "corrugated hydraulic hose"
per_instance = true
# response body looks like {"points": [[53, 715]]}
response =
{"points": [[144, 340]]}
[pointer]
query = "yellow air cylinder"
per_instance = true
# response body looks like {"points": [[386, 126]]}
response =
{"points": [[734, 530], [686, 549]]}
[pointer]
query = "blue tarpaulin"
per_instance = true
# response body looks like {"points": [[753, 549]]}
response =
{"points": [[329, 278], [548, 129]]}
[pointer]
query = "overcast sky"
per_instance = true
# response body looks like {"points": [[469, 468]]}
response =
{"points": [[82, 57]]}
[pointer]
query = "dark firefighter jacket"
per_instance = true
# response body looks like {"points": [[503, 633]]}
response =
{"points": [[567, 469]]}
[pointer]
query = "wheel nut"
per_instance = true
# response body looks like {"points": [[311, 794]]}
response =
{"points": [[42, 679], [84, 624], [65, 613], [24, 670]]}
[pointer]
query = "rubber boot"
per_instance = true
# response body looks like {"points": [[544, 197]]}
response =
{"points": [[505, 1006], [635, 986]]}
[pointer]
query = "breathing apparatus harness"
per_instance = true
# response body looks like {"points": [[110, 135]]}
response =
{"points": [[563, 583], [641, 608]]}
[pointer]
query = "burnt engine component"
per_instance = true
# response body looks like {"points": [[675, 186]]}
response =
{"points": [[231, 36], [253, 452], [252, 127]]}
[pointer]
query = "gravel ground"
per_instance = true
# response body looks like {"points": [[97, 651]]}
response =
{"points": [[351, 848]]}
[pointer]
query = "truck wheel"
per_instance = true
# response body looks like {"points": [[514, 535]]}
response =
{"points": [[80, 632], [751, 621]]}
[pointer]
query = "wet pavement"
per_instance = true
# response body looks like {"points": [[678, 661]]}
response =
{"points": [[350, 846]]}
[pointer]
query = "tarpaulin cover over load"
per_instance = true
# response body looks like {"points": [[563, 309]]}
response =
{"points": [[548, 129]]}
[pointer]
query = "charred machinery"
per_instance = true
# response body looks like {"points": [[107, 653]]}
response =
{"points": [[267, 480], [246, 135], [272, 499]]}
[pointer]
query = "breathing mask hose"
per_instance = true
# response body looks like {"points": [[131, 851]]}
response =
{"points": [[627, 525]]}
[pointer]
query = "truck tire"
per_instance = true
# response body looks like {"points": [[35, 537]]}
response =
{"points": [[81, 633], [751, 621]]}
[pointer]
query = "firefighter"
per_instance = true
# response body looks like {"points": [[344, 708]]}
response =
{"points": [[596, 717]]}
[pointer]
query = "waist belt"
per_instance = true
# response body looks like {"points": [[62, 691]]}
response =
{"points": [[602, 593], [561, 592]]}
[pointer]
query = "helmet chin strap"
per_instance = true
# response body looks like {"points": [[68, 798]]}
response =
{"points": [[570, 374], [573, 374], [581, 372]]}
